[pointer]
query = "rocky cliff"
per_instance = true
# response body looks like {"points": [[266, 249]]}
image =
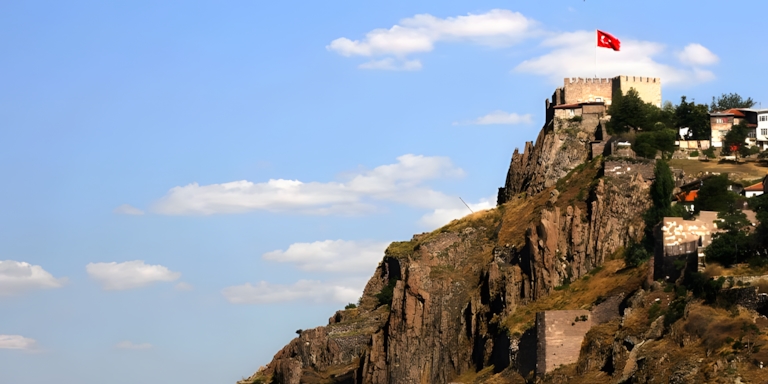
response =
{"points": [[445, 304]]}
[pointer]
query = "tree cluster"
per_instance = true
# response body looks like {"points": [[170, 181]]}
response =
{"points": [[739, 242], [657, 128]]}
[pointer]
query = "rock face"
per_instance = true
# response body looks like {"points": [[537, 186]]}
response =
{"points": [[451, 289], [560, 147]]}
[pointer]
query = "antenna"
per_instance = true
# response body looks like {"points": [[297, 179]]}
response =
{"points": [[465, 203]]}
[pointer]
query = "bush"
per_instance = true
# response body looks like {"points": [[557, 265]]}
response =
{"points": [[709, 152], [635, 255], [702, 287], [350, 306], [575, 119], [386, 293], [693, 154]]}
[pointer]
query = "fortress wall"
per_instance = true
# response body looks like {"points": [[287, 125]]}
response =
{"points": [[578, 90], [649, 88], [559, 338]]}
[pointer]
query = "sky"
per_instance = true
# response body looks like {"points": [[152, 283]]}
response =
{"points": [[186, 184]]}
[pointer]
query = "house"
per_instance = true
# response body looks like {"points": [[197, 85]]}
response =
{"points": [[722, 122], [761, 132], [754, 190]]}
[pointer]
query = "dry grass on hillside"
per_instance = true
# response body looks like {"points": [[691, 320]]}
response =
{"points": [[746, 171], [522, 212], [609, 280]]}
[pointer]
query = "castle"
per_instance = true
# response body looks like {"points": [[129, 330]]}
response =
{"points": [[602, 90]]}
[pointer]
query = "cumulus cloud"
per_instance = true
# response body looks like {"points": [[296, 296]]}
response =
{"points": [[131, 345], [419, 34], [17, 342], [332, 255], [130, 274], [127, 209], [346, 291], [499, 117], [390, 64], [697, 54], [401, 182], [573, 54], [442, 216], [18, 277]]}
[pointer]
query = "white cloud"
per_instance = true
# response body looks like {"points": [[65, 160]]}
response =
{"points": [[499, 117], [128, 275], [390, 64], [127, 209], [131, 345], [401, 182], [457, 210], [183, 287], [332, 255], [573, 55], [697, 54], [18, 277], [419, 34], [346, 291], [17, 342]]}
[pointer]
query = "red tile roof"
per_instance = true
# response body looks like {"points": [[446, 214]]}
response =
{"points": [[687, 197], [754, 187], [735, 112]]}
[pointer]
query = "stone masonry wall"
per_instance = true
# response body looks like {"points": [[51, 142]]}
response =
{"points": [[578, 90], [559, 337], [649, 88]]}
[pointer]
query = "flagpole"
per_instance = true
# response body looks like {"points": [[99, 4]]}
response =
{"points": [[595, 53]]}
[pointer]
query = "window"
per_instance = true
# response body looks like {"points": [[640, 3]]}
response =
{"points": [[763, 118], [764, 132], [718, 121], [598, 99], [571, 112]]}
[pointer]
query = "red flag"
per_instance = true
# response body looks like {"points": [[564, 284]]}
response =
{"points": [[606, 40]]}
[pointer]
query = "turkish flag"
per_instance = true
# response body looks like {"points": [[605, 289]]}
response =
{"points": [[606, 40]]}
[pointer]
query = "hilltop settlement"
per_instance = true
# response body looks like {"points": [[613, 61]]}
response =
{"points": [[629, 245]]}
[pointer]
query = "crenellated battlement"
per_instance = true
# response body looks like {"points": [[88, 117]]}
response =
{"points": [[594, 80], [639, 79]]}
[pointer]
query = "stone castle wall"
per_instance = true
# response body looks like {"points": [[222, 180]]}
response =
{"points": [[578, 90], [559, 337], [649, 88]]}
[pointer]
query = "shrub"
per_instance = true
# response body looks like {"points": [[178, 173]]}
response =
{"points": [[709, 152], [694, 154], [635, 255], [575, 119], [350, 306], [386, 293]]}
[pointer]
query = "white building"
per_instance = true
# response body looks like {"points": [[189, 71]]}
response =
{"points": [[761, 132]]}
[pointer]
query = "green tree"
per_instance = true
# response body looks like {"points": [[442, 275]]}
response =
{"points": [[694, 116], [661, 197], [714, 195], [730, 100], [627, 112], [647, 143], [662, 188], [734, 140]]}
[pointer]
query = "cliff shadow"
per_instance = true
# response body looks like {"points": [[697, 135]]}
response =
{"points": [[526, 354]]}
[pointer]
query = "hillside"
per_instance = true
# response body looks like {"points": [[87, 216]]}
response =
{"points": [[491, 297]]}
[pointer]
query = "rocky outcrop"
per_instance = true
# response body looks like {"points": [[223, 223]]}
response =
{"points": [[560, 147], [452, 289]]}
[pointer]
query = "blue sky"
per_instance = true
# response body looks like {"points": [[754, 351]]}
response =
{"points": [[185, 184]]}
